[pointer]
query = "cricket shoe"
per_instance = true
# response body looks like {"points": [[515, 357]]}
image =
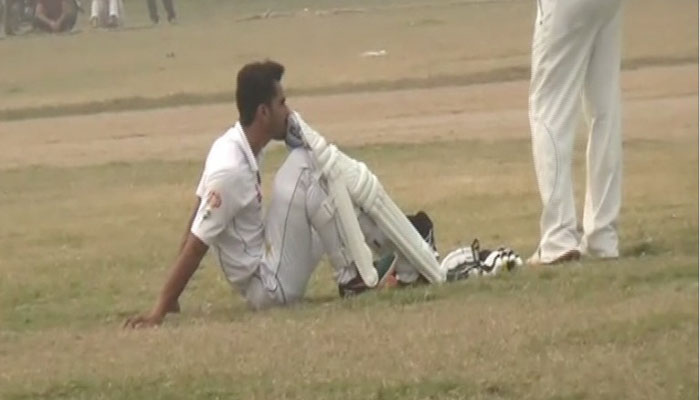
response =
{"points": [[424, 225], [566, 257], [385, 272], [386, 266]]}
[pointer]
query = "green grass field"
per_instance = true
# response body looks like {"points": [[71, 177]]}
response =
{"points": [[93, 207]]}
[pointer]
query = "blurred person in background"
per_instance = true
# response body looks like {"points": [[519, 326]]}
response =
{"points": [[55, 15], [107, 13], [169, 10]]}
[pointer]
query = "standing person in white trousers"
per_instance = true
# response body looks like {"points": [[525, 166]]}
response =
{"points": [[575, 61], [107, 13]]}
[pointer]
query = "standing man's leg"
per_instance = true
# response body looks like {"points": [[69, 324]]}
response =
{"points": [[10, 17], [604, 153], [115, 13], [96, 11], [560, 53], [6, 17], [152, 10], [169, 10]]}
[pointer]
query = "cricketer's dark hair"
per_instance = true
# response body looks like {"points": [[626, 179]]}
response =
{"points": [[255, 86]]}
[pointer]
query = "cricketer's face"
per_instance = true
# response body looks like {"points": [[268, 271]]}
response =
{"points": [[279, 112]]}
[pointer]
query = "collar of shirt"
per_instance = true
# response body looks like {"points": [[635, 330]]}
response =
{"points": [[240, 138]]}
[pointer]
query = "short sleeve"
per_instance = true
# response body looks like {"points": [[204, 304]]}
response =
{"points": [[201, 190], [221, 201]]}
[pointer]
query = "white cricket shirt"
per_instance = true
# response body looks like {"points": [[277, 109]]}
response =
{"points": [[230, 215]]}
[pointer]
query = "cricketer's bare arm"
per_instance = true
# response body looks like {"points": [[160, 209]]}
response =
{"points": [[180, 273], [197, 203], [175, 307]]}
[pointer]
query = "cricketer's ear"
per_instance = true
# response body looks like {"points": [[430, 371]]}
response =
{"points": [[262, 113]]}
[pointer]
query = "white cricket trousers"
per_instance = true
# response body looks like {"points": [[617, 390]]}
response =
{"points": [[293, 247], [103, 9], [575, 66]]}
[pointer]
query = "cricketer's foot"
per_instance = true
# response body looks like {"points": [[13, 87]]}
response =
{"points": [[571, 255], [385, 272]]}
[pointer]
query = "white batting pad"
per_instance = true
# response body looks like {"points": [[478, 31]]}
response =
{"points": [[326, 157], [367, 193]]}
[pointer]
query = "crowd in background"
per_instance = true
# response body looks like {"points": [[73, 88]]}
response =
{"points": [[55, 16]]}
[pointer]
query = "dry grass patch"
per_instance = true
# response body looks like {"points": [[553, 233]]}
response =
{"points": [[438, 42]]}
